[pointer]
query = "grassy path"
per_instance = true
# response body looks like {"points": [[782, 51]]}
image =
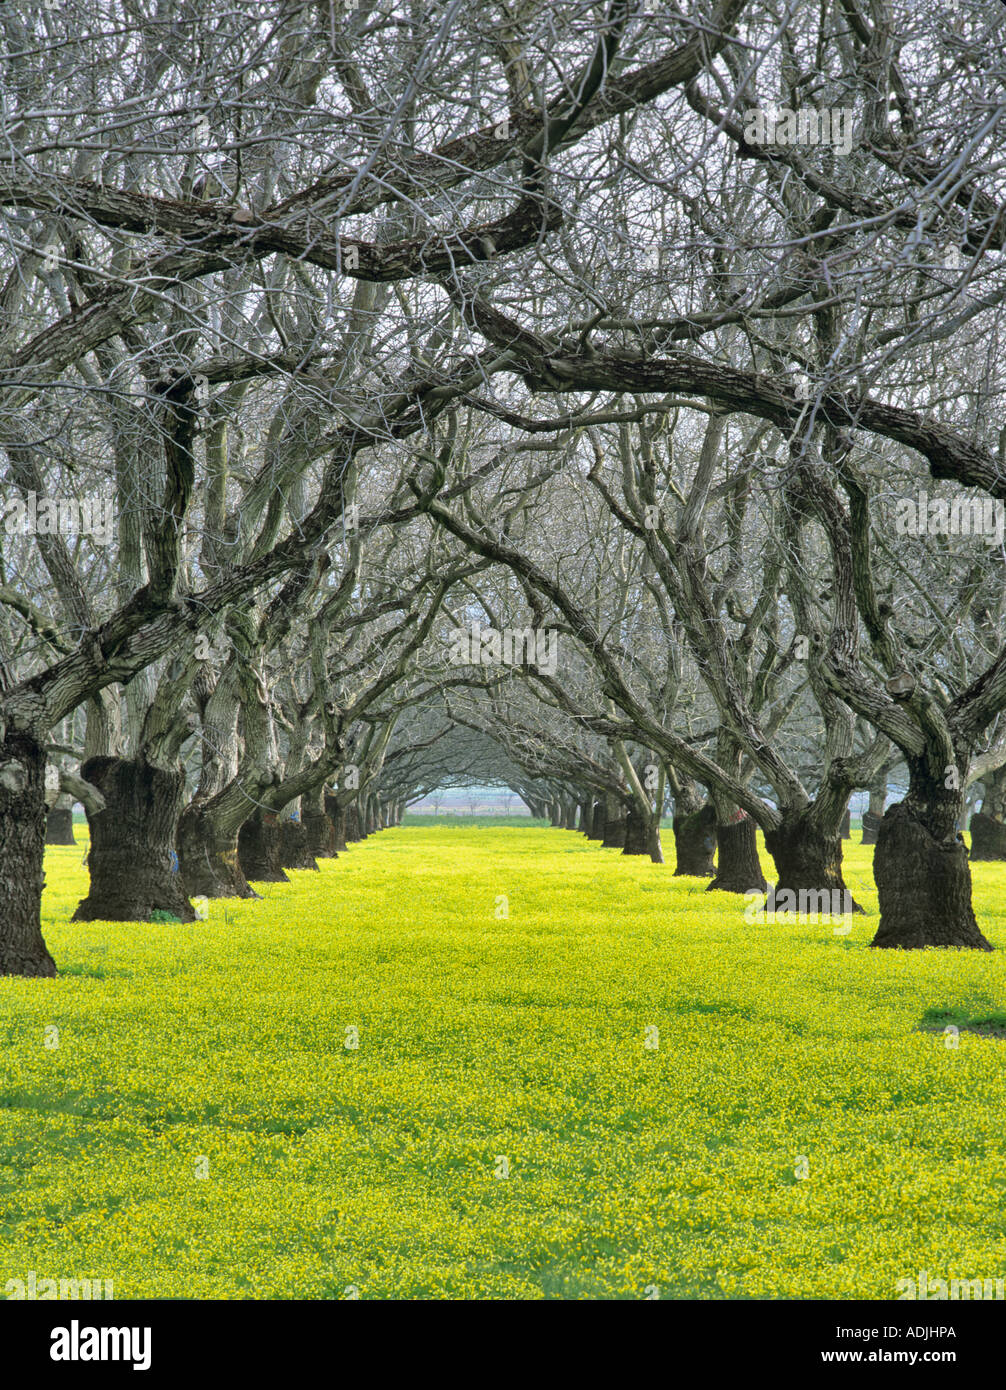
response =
{"points": [[202, 1129]]}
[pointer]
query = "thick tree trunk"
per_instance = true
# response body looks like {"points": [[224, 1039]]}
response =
{"points": [[695, 843], [337, 815], [320, 835], [614, 830], [988, 837], [294, 850], [352, 823], [635, 833], [738, 867], [988, 833], [871, 828], [922, 871], [59, 826], [808, 861], [642, 835], [847, 826], [22, 851], [259, 848], [134, 870], [208, 857], [598, 821], [320, 830]]}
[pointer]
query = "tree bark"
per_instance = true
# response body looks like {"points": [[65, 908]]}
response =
{"points": [[922, 871], [208, 856], [133, 842], [738, 866], [988, 833], [59, 826], [294, 850], [22, 851], [874, 813], [642, 835], [598, 821], [808, 857], [259, 848], [614, 829], [847, 826], [337, 815], [695, 843], [988, 837]]}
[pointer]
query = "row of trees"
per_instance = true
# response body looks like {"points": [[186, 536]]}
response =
{"points": [[368, 324]]}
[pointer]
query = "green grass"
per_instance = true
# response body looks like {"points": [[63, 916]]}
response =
{"points": [[219, 1047]]}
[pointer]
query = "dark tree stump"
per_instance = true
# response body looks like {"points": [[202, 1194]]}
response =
{"points": [[59, 826], [695, 843], [22, 852], [988, 837], [337, 815], [924, 884], [807, 858], [132, 858], [739, 868], [208, 858], [259, 849], [614, 833], [320, 835], [294, 850]]}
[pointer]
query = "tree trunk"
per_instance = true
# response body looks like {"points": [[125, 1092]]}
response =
{"points": [[294, 850], [352, 823], [988, 837], [134, 870], [695, 843], [642, 835], [320, 835], [738, 866], [922, 871], [22, 851], [598, 821], [988, 833], [259, 848], [59, 826], [847, 826], [614, 830], [336, 813], [208, 856], [808, 861], [874, 813], [635, 833]]}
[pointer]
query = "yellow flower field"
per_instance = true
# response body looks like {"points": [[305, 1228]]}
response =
{"points": [[617, 1090]]}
